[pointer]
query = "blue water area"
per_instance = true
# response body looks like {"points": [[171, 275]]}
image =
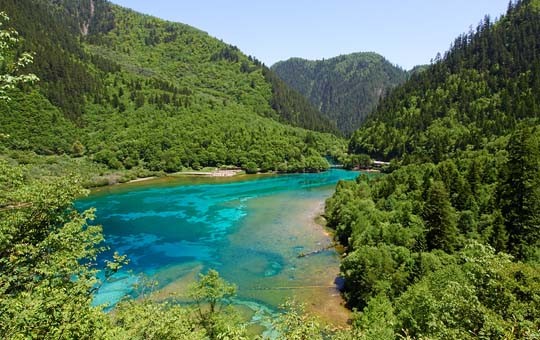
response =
{"points": [[246, 229]]}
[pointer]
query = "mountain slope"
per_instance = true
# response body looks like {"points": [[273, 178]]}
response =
{"points": [[137, 91], [346, 88], [482, 88]]}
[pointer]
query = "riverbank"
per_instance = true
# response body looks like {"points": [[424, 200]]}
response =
{"points": [[332, 310], [92, 175], [213, 173]]}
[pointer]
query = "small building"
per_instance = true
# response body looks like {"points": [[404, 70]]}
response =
{"points": [[379, 164]]}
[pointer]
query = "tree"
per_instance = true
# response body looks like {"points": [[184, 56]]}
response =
{"points": [[499, 236], [11, 62], [251, 168], [151, 320], [377, 320], [77, 149], [519, 192], [439, 218], [47, 254], [211, 295], [296, 324]]}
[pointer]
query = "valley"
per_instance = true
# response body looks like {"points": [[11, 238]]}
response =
{"points": [[239, 216]]}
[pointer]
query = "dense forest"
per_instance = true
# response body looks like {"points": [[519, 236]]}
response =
{"points": [[346, 88], [447, 245], [481, 89], [121, 91]]}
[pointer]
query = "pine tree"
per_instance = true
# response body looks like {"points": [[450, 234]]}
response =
{"points": [[440, 219], [499, 235], [519, 192]]}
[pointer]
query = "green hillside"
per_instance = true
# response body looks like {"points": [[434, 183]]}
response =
{"points": [[446, 246], [345, 88], [481, 89], [131, 91]]}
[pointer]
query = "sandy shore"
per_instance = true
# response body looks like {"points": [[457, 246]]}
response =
{"points": [[331, 306], [286, 224], [142, 179], [215, 173]]}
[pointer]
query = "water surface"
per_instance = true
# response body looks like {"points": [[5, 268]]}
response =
{"points": [[250, 230]]}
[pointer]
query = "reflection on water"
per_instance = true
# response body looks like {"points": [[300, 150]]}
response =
{"points": [[251, 231]]}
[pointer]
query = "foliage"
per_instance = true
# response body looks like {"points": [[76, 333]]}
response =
{"points": [[480, 296], [481, 89], [426, 243], [47, 251], [293, 106], [133, 91], [11, 63], [213, 291], [295, 324], [212, 296], [150, 320], [439, 219], [345, 88], [519, 193], [395, 227]]}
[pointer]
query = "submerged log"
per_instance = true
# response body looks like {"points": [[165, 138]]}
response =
{"points": [[315, 252]]}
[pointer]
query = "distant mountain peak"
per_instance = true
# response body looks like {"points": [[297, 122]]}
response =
{"points": [[345, 88]]}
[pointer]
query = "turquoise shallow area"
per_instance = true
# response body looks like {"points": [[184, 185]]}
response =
{"points": [[250, 230]]}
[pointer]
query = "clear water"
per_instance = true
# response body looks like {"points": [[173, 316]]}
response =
{"points": [[251, 230]]}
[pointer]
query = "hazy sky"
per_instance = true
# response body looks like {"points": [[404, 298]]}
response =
{"points": [[406, 32]]}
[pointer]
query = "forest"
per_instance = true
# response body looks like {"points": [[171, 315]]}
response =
{"points": [[446, 245], [346, 88], [85, 92], [125, 93]]}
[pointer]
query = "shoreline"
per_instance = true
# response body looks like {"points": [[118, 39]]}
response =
{"points": [[215, 173], [141, 179], [115, 180], [323, 300], [333, 310]]}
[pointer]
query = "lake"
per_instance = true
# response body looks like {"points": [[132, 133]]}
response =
{"points": [[251, 229]]}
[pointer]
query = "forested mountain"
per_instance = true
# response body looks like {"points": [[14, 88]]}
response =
{"points": [[128, 90], [446, 246], [345, 88], [482, 88]]}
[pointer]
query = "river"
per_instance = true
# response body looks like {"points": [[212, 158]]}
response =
{"points": [[251, 229]]}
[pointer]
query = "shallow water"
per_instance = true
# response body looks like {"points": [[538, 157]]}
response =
{"points": [[250, 230]]}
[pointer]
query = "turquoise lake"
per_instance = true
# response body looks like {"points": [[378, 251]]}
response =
{"points": [[251, 229]]}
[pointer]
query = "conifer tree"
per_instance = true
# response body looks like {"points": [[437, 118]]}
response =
{"points": [[519, 192], [499, 235], [440, 219]]}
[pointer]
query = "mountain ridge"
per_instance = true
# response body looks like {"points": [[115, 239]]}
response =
{"points": [[345, 88], [140, 92], [480, 89]]}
